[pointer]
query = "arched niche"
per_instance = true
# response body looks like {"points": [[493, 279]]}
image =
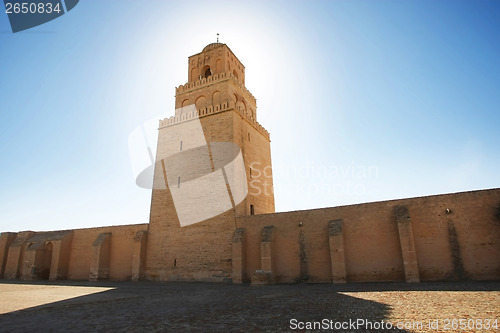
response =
{"points": [[218, 66], [201, 102], [43, 261], [193, 74], [216, 98]]}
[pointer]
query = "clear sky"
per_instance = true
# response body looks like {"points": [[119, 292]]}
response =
{"points": [[364, 100]]}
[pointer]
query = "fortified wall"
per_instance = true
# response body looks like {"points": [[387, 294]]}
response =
{"points": [[115, 252], [446, 237], [435, 238]]}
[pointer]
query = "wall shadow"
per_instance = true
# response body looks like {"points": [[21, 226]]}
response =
{"points": [[201, 307]]}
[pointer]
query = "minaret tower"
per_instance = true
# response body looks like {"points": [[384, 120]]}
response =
{"points": [[214, 111]]}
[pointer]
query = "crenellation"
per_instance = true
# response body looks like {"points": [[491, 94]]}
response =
{"points": [[243, 88], [217, 78], [213, 109]]}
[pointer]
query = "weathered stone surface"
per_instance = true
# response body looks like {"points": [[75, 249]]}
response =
{"points": [[139, 255], [238, 256], [267, 233], [238, 235], [101, 253], [407, 243], [337, 256], [335, 227], [261, 278]]}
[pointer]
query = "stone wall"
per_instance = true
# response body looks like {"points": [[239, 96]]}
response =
{"points": [[115, 252], [435, 238]]}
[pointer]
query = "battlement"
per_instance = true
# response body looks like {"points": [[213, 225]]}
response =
{"points": [[213, 109], [215, 79]]}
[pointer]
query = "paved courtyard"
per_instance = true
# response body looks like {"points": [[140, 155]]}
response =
{"points": [[43, 306]]}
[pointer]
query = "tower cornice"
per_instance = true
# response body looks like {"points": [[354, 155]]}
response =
{"points": [[212, 110], [217, 78]]}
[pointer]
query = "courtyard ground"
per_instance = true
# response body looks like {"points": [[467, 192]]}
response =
{"points": [[70, 306]]}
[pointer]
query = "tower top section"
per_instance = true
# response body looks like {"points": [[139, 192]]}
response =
{"points": [[213, 46], [215, 58]]}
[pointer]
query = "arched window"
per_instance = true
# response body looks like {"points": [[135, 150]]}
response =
{"points": [[206, 72]]}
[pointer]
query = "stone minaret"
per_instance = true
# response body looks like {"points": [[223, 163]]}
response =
{"points": [[213, 163]]}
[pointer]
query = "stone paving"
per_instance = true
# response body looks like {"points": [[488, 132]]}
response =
{"points": [[71, 306]]}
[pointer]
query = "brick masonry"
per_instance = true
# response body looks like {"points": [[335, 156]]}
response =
{"points": [[435, 238]]}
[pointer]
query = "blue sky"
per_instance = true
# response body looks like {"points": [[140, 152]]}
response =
{"points": [[364, 100]]}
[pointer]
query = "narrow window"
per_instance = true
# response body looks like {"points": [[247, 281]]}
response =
{"points": [[249, 136], [181, 146], [250, 172], [178, 182], [175, 262], [252, 211]]}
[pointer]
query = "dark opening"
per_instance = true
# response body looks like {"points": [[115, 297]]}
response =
{"points": [[178, 182], [208, 72], [175, 262], [252, 211]]}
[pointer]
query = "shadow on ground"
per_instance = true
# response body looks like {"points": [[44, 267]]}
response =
{"points": [[208, 307]]}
